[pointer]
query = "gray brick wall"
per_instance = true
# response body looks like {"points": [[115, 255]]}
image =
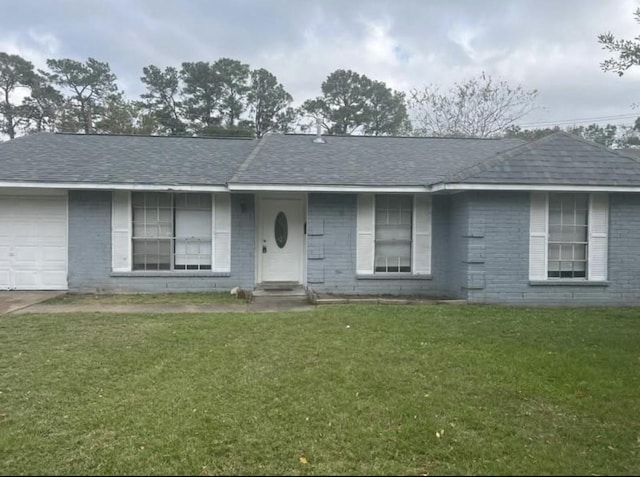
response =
{"points": [[89, 240], [500, 220], [90, 250], [331, 250], [480, 251], [457, 245]]}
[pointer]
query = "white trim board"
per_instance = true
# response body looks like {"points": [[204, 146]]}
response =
{"points": [[324, 188], [94, 186], [22, 192], [313, 188], [534, 187]]}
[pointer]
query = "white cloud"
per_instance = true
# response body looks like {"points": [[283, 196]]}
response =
{"points": [[33, 45], [548, 45], [378, 44]]}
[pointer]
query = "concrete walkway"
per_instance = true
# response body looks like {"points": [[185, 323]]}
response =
{"points": [[22, 302], [262, 304], [12, 301]]}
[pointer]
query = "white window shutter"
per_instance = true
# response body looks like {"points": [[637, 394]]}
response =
{"points": [[365, 234], [422, 235], [598, 236], [121, 231], [538, 233], [221, 232]]}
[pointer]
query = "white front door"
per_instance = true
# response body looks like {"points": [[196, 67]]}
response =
{"points": [[33, 243], [281, 240]]}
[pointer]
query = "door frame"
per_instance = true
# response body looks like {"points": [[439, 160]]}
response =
{"points": [[260, 197]]}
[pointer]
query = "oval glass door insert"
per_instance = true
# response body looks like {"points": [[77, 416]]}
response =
{"points": [[281, 230]]}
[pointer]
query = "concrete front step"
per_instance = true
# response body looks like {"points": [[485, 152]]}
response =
{"points": [[279, 289]]}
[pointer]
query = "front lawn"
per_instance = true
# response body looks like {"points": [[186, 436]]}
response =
{"points": [[402, 390]]}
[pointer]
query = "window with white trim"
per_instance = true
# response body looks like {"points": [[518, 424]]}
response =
{"points": [[393, 233], [171, 231], [568, 235]]}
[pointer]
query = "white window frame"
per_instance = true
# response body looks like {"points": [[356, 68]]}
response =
{"points": [[378, 242], [421, 237], [579, 266], [174, 242], [597, 239], [122, 236]]}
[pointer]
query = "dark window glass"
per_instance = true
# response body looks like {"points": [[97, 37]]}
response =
{"points": [[281, 230]]}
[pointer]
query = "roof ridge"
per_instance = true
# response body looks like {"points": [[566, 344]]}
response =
{"points": [[243, 167], [501, 157], [600, 146], [63, 133], [489, 162], [369, 136], [25, 136]]}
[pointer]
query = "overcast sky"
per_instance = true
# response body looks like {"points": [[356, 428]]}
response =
{"points": [[548, 45]]}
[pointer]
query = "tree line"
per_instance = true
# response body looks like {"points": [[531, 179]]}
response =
{"points": [[227, 97], [224, 97], [201, 98]]}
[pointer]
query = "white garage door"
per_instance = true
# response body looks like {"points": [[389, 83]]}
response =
{"points": [[33, 243]]}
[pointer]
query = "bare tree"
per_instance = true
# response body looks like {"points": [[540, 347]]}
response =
{"points": [[478, 107]]}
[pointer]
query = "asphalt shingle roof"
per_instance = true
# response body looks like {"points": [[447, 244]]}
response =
{"points": [[362, 160], [557, 159], [107, 159]]}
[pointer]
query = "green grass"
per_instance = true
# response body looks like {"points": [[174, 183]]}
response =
{"points": [[204, 298], [366, 390]]}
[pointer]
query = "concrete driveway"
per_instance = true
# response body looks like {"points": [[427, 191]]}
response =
{"points": [[16, 300]]}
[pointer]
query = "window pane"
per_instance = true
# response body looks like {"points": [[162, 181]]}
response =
{"points": [[193, 232], [151, 254], [567, 215], [138, 214], [393, 202], [581, 201], [164, 200], [137, 200], [157, 237], [566, 252], [164, 215], [568, 234], [580, 233], [394, 216], [150, 199], [393, 233], [555, 232]]}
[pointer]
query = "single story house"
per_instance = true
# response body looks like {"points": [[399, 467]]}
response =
{"points": [[555, 220]]}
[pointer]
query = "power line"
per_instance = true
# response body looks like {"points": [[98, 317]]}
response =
{"points": [[579, 120]]}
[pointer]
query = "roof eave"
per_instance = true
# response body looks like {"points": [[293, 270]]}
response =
{"points": [[460, 186], [114, 186], [256, 187]]}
